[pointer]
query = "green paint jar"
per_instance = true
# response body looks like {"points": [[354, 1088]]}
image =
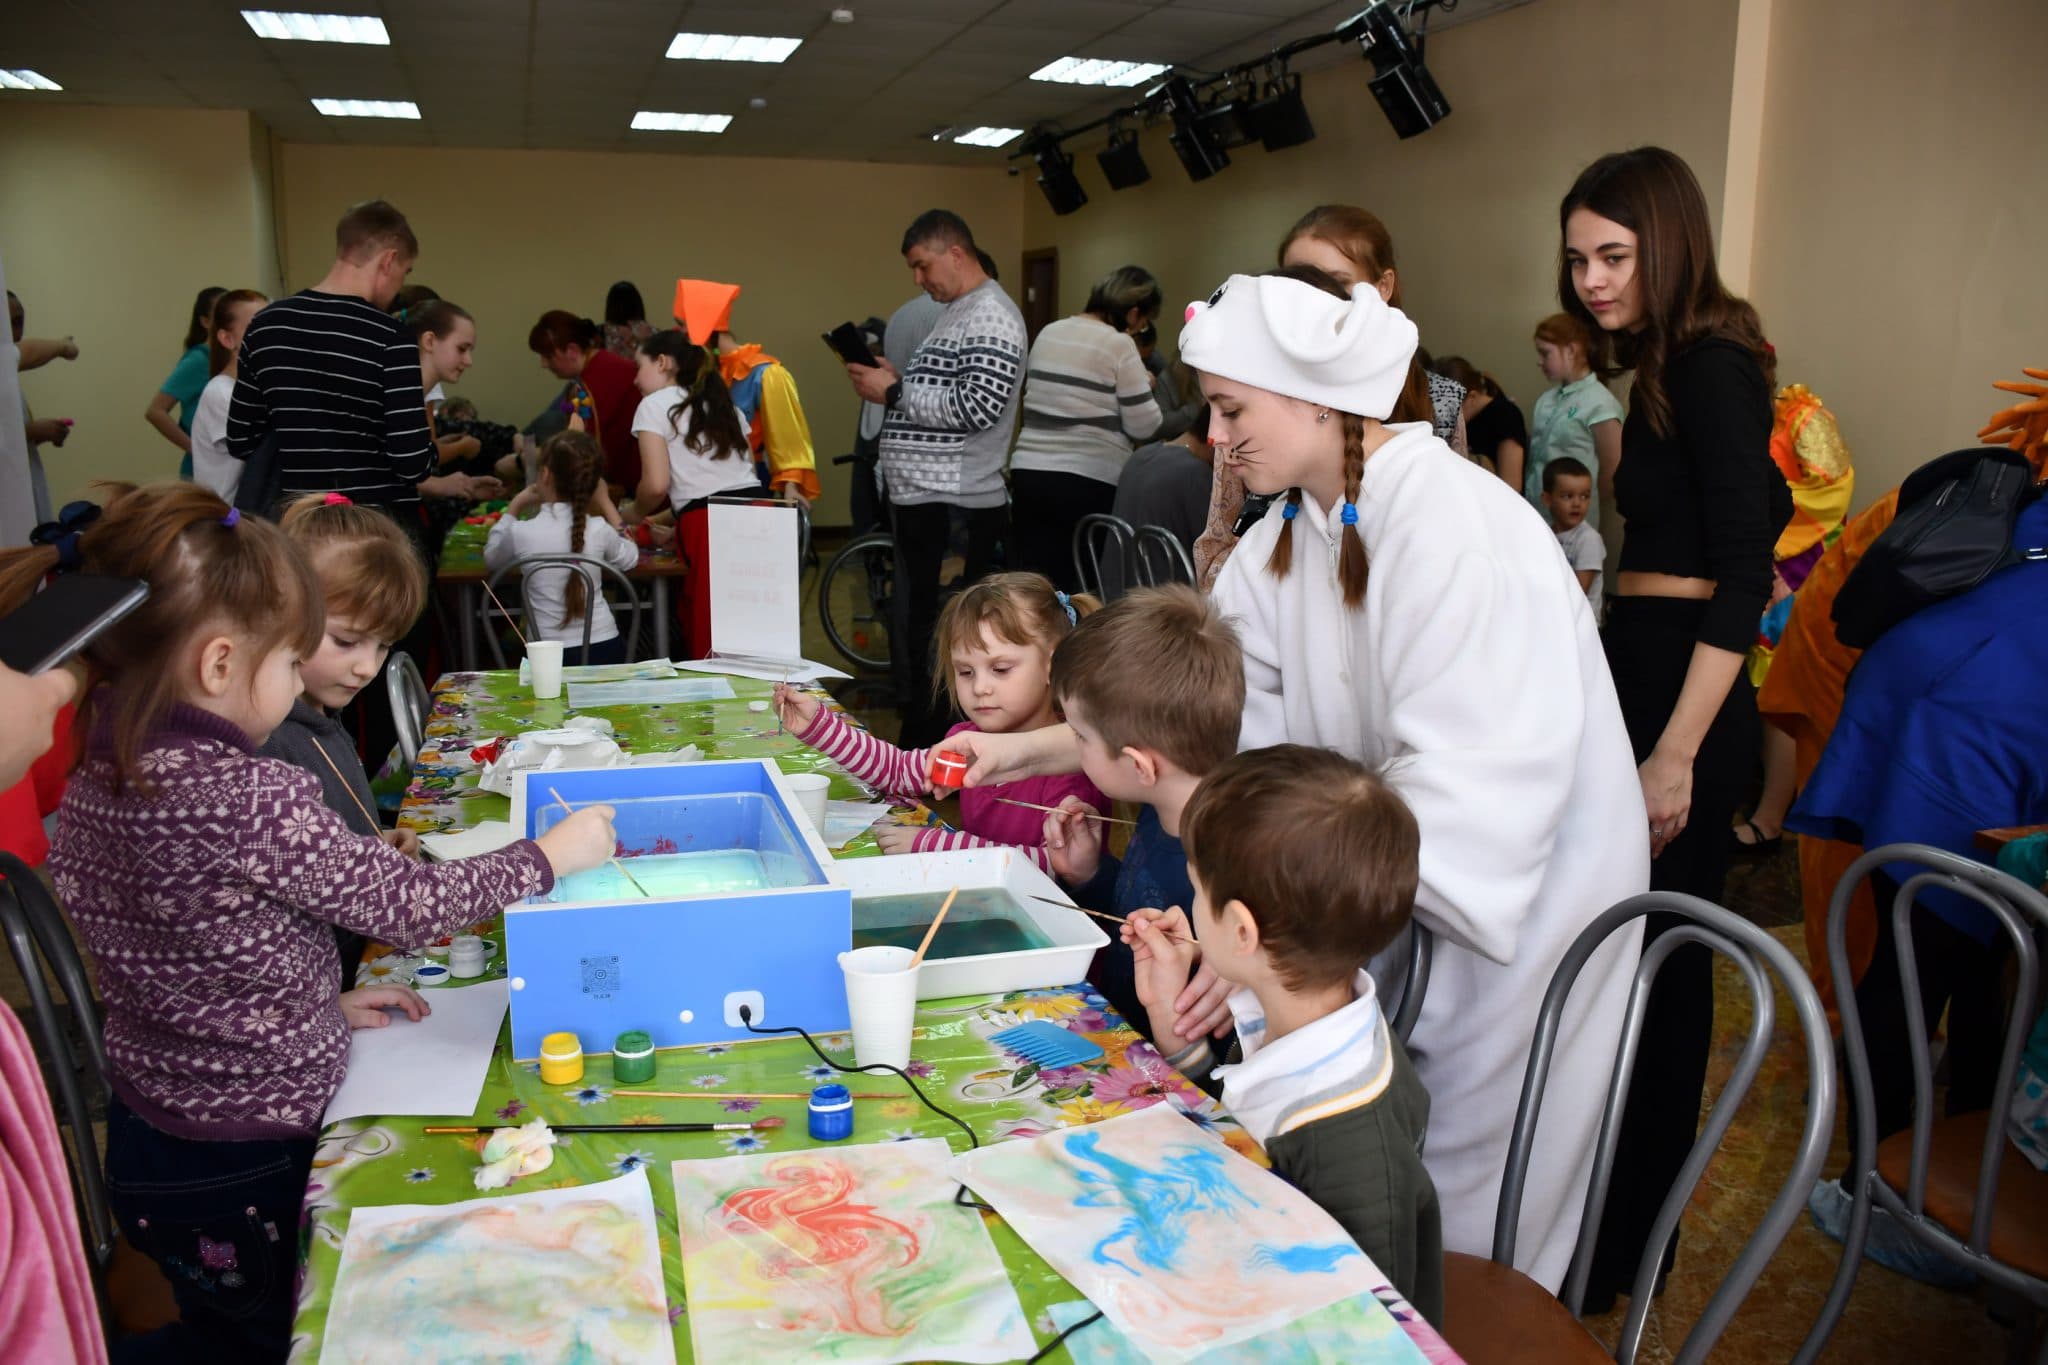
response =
{"points": [[633, 1058]]}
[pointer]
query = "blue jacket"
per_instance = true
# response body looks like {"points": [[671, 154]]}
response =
{"points": [[1942, 732], [1152, 875]]}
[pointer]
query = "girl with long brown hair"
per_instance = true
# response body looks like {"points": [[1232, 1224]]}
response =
{"points": [[1704, 506], [1351, 246]]}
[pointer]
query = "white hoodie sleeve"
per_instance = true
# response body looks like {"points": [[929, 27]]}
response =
{"points": [[1248, 597]]}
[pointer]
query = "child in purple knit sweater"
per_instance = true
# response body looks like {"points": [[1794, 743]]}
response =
{"points": [[207, 880], [997, 639]]}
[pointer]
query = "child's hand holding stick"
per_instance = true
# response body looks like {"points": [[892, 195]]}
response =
{"points": [[1163, 950], [1073, 841], [796, 706]]}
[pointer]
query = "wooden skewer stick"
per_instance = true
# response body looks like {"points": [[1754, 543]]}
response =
{"points": [[506, 614], [345, 784], [933, 932], [1056, 810], [567, 810], [634, 1092], [1113, 919]]}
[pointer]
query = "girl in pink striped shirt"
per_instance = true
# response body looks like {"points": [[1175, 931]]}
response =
{"points": [[998, 637]]}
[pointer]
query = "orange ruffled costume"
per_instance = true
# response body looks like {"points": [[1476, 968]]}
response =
{"points": [[1802, 693]]}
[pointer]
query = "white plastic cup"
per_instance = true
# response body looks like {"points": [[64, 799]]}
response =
{"points": [[811, 790], [544, 659], [881, 994]]}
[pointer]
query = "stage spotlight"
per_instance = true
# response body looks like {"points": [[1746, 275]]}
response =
{"points": [[1227, 121], [1199, 155], [1123, 164], [1407, 93], [1280, 116], [1056, 174]]}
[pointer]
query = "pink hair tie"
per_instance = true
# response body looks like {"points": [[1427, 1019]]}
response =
{"points": [[336, 500]]}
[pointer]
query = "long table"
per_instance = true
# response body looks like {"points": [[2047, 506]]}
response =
{"points": [[388, 1160]]}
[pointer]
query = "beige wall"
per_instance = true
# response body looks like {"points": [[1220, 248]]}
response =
{"points": [[814, 243], [1472, 204], [112, 220], [1902, 214]]}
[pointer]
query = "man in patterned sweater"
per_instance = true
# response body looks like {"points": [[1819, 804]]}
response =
{"points": [[945, 439]]}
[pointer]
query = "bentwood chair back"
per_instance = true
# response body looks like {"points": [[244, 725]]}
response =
{"points": [[1492, 1312], [1947, 1180]]}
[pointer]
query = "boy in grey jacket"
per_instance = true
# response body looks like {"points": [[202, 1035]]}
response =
{"points": [[1304, 865]]}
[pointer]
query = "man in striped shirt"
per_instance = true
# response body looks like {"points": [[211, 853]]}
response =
{"points": [[336, 379], [945, 439]]}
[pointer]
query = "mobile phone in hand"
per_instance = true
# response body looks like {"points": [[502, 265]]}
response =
{"points": [[65, 617]]}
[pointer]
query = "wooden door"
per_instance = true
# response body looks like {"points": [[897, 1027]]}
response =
{"points": [[1040, 299]]}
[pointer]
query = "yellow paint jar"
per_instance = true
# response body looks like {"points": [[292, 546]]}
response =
{"points": [[561, 1059]]}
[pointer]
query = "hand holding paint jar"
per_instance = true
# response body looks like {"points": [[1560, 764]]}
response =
{"points": [[948, 771]]}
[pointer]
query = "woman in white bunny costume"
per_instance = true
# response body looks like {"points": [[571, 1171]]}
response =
{"points": [[1426, 623], [1421, 618]]}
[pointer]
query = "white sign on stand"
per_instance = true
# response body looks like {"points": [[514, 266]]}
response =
{"points": [[756, 593]]}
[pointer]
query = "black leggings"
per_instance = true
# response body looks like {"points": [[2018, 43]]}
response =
{"points": [[1957, 974], [922, 531], [1045, 507], [1649, 643]]}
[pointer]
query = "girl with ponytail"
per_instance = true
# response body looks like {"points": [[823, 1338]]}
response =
{"points": [[571, 471], [693, 447], [207, 881]]}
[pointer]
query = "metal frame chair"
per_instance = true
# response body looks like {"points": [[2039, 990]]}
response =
{"points": [[1157, 558], [2022, 912], [1759, 957], [408, 693], [37, 935], [1415, 982], [597, 575], [1092, 534]]}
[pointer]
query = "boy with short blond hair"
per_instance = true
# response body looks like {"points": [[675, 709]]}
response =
{"points": [[1304, 864], [1153, 687]]}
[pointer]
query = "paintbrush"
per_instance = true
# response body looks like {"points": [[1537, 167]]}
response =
{"points": [[933, 932], [769, 1122], [1056, 810], [638, 1093], [566, 810], [506, 614], [1113, 919]]}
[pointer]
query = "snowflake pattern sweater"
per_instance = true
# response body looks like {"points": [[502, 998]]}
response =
{"points": [[903, 773], [208, 903]]}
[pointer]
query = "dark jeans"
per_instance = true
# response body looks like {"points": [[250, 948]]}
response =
{"points": [[1957, 974], [921, 531], [1045, 508], [1649, 643], [221, 1219], [612, 651]]}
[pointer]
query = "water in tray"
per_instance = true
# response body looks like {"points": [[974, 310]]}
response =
{"points": [[665, 875], [983, 920]]}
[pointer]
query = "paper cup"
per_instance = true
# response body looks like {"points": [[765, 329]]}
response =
{"points": [[810, 789], [881, 994], [544, 658]]}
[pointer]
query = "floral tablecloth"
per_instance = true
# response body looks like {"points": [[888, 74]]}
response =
{"points": [[392, 1161]]}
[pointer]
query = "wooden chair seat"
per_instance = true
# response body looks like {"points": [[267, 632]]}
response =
{"points": [[1495, 1313], [2019, 1218]]}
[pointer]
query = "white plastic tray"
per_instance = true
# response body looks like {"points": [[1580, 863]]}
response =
{"points": [[1074, 935]]}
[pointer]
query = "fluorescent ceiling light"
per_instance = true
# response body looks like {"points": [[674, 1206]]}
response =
{"points": [[681, 123], [21, 78], [731, 47], [318, 28], [1097, 71], [989, 137], [367, 108]]}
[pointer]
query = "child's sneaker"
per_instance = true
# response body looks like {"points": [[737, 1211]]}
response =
{"points": [[1887, 1242]]}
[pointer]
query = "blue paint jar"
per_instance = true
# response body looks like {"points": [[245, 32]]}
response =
{"points": [[831, 1113]]}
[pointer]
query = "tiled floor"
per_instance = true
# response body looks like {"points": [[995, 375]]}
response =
{"points": [[1889, 1318]]}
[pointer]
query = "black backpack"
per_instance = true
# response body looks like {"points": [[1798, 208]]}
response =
{"points": [[1953, 530]]}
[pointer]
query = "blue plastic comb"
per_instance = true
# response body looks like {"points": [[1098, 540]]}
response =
{"points": [[1049, 1045]]}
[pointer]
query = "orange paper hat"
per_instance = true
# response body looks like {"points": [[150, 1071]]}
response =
{"points": [[704, 308]]}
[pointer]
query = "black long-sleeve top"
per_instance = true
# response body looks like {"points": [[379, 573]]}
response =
{"points": [[1706, 501]]}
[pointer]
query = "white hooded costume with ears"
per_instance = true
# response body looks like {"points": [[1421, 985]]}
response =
{"points": [[1472, 678]]}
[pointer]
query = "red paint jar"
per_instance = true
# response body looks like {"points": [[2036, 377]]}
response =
{"points": [[948, 769]]}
